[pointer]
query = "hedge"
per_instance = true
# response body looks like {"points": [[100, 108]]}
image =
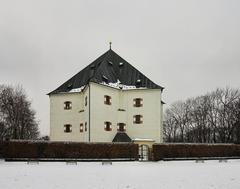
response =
{"points": [[161, 151], [76, 150]]}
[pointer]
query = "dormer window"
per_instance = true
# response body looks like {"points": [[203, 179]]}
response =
{"points": [[121, 127], [138, 102], [67, 105], [138, 83], [137, 119], [110, 63], [68, 128], [107, 100], [105, 79], [107, 126], [92, 66], [69, 86], [121, 64]]}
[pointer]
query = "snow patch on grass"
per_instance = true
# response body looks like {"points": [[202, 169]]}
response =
{"points": [[119, 175]]}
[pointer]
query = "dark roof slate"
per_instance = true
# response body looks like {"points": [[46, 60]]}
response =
{"points": [[121, 137], [109, 67]]}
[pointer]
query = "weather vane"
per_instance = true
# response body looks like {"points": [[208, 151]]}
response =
{"points": [[110, 45]]}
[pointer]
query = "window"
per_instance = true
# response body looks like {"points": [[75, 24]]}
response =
{"points": [[138, 102], [137, 119], [67, 105], [67, 128], [81, 127], [121, 127], [85, 126], [85, 100], [107, 100], [108, 126]]}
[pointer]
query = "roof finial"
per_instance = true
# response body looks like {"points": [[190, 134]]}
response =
{"points": [[110, 45]]}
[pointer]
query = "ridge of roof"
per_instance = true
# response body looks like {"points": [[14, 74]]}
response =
{"points": [[109, 67]]}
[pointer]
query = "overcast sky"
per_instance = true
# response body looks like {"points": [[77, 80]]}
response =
{"points": [[189, 47]]}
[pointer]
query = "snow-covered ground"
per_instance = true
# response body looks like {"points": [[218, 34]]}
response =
{"points": [[119, 175]]}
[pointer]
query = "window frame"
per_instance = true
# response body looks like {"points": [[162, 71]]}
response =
{"points": [[86, 101], [138, 119], [107, 126], [107, 100], [85, 127], [67, 105], [81, 128], [123, 125], [138, 102], [67, 128]]}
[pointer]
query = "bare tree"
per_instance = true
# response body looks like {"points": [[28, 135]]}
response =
{"points": [[214, 117], [17, 118], [170, 127], [236, 124]]}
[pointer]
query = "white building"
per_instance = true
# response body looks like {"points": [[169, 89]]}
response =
{"points": [[108, 101]]}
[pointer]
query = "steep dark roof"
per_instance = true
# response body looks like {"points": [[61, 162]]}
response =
{"points": [[122, 137], [109, 68]]}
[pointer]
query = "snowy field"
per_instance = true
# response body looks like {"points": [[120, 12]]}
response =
{"points": [[119, 175]]}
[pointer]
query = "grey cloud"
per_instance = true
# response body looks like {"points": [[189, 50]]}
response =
{"points": [[188, 46]]}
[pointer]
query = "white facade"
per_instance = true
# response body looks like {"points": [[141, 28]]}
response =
{"points": [[95, 113]]}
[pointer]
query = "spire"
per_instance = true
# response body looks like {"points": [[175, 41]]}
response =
{"points": [[110, 45]]}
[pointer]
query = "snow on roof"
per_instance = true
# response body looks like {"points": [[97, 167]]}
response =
{"points": [[119, 85], [80, 89], [144, 139], [76, 90]]}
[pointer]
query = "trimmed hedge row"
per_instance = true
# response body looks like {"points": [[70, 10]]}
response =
{"points": [[75, 150], [161, 151]]}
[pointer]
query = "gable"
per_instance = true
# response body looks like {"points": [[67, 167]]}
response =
{"points": [[121, 137]]}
